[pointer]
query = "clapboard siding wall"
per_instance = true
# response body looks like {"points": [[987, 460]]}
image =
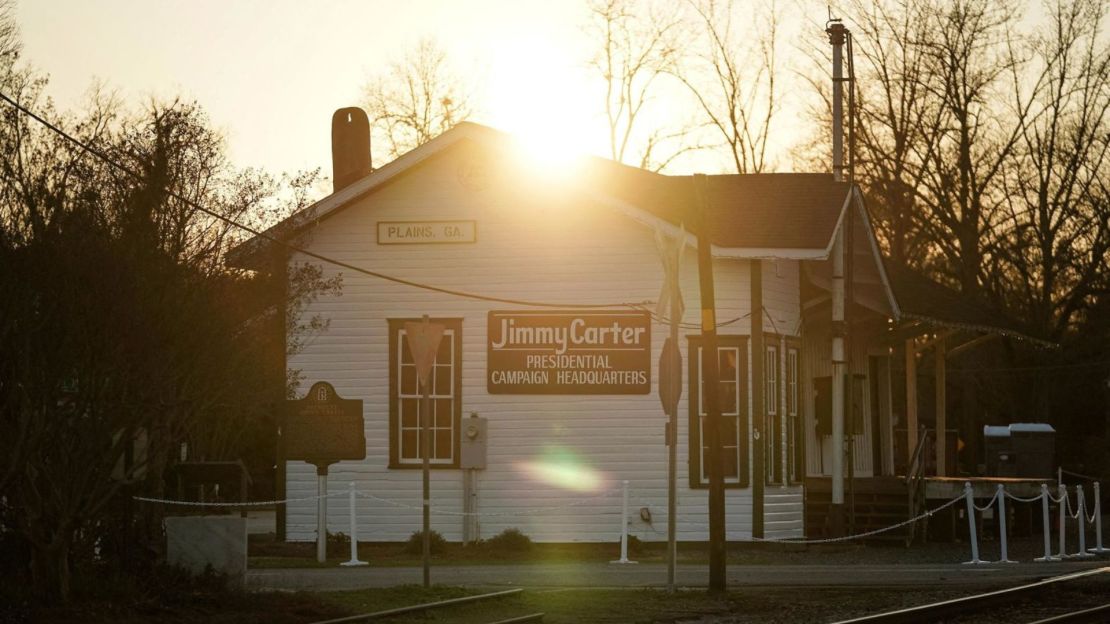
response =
{"points": [[816, 351], [536, 244]]}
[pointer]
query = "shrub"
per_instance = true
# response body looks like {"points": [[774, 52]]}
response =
{"points": [[415, 545], [510, 540]]}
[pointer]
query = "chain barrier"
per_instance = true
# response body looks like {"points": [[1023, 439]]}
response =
{"points": [[521, 512], [167, 501], [989, 504], [1023, 500]]}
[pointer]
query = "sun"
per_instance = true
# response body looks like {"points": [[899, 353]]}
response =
{"points": [[539, 94]]}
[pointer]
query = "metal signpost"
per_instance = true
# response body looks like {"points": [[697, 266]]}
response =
{"points": [[423, 341], [670, 382], [323, 429]]}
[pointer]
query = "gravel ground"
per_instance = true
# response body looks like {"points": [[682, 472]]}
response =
{"points": [[823, 606]]}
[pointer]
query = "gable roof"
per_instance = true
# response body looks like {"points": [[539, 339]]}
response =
{"points": [[778, 215]]}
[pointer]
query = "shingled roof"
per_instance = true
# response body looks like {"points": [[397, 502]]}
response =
{"points": [[785, 215], [922, 299]]}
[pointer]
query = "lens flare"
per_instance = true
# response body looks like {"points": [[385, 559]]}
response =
{"points": [[562, 468]]}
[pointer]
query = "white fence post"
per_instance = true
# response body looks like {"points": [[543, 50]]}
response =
{"points": [[624, 525], [970, 497], [354, 531], [1098, 549], [1045, 523], [1002, 523], [1081, 503], [1062, 491]]}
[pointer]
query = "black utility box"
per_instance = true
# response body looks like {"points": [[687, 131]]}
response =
{"points": [[1022, 450]]}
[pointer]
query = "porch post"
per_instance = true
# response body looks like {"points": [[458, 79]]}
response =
{"points": [[911, 400], [941, 407]]}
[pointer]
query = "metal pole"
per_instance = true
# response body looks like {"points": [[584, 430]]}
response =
{"points": [[974, 537], [672, 450], [322, 514], [1062, 491], [1046, 523], [1081, 503], [425, 447], [1098, 549], [624, 525], [836, 34], [1002, 523], [354, 530]]}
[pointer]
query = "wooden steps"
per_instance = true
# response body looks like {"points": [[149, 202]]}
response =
{"points": [[879, 502]]}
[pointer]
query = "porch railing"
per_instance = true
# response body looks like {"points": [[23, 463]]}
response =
{"points": [[915, 476]]}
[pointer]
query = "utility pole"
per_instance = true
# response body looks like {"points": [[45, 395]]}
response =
{"points": [[759, 408], [836, 34], [711, 391]]}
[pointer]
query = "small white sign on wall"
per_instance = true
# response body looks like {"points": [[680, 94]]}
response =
{"points": [[426, 232]]}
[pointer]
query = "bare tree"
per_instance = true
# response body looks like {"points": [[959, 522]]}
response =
{"points": [[1055, 240], [639, 46], [732, 79], [418, 98], [895, 122]]}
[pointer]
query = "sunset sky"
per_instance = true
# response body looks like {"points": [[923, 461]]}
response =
{"points": [[271, 73]]}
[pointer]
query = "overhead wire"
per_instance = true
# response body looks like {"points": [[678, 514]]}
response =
{"points": [[295, 248]]}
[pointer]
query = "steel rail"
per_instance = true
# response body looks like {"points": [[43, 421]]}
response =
{"points": [[1094, 614], [420, 607], [934, 611], [534, 617]]}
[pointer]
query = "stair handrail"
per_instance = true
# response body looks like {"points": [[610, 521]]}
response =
{"points": [[915, 469], [915, 472]]}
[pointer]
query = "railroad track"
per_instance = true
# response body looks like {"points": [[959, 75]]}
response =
{"points": [[957, 607], [379, 615]]}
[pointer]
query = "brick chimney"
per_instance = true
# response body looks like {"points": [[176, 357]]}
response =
{"points": [[350, 146]]}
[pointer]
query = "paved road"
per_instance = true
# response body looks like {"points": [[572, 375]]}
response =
{"points": [[655, 575]]}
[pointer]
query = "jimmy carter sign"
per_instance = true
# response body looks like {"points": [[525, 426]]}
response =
{"points": [[569, 352]]}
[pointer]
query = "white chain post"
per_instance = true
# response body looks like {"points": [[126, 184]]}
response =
{"points": [[1002, 523], [1081, 503], [624, 526], [354, 531], [1045, 523], [1062, 491], [970, 497], [1098, 549]]}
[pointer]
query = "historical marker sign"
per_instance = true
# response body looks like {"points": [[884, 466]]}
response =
{"points": [[323, 428], [569, 352]]}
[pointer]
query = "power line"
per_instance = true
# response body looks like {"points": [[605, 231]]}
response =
{"points": [[272, 239]]}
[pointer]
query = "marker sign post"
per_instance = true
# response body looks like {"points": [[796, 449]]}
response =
{"points": [[323, 429], [423, 341]]}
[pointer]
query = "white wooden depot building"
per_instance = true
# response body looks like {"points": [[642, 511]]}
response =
{"points": [[568, 390]]}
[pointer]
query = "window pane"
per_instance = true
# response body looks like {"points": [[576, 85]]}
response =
{"points": [[728, 364], [408, 380], [728, 398], [732, 462], [728, 432], [410, 444], [443, 355], [443, 412], [409, 414], [406, 355], [442, 385], [442, 444]]}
